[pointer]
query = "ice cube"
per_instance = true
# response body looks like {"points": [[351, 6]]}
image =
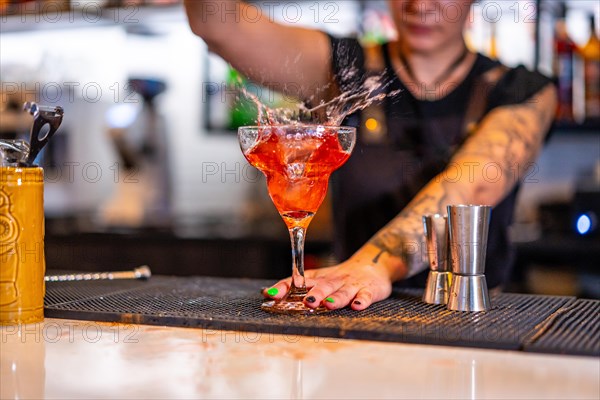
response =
{"points": [[299, 151], [295, 170]]}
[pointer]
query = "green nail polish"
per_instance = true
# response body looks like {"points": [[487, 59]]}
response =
{"points": [[329, 300], [272, 291]]}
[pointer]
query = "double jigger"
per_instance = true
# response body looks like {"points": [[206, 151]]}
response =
{"points": [[456, 249]]}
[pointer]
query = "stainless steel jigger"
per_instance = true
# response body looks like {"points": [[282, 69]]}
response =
{"points": [[437, 288], [468, 226]]}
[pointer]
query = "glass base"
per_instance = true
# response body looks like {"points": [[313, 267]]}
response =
{"points": [[292, 304]]}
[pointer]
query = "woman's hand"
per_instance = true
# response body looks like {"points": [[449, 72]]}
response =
{"points": [[358, 281]]}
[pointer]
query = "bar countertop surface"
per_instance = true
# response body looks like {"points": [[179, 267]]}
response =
{"points": [[72, 359]]}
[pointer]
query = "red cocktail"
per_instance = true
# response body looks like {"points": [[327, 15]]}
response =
{"points": [[297, 161]]}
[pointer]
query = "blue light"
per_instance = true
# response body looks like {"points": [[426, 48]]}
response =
{"points": [[584, 224]]}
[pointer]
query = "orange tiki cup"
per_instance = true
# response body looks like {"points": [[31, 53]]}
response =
{"points": [[22, 261]]}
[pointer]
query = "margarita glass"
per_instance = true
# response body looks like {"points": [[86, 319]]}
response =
{"points": [[297, 161]]}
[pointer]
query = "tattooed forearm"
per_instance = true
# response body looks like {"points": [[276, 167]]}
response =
{"points": [[402, 237], [509, 137]]}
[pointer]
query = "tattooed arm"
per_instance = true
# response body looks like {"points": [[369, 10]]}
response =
{"points": [[506, 142]]}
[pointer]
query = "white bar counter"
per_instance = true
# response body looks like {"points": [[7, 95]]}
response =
{"points": [[68, 359]]}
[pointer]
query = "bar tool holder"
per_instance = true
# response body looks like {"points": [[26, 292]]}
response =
{"points": [[439, 279], [468, 232]]}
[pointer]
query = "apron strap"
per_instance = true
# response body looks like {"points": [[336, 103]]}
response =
{"points": [[478, 100]]}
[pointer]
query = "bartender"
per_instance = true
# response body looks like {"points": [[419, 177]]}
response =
{"points": [[460, 128]]}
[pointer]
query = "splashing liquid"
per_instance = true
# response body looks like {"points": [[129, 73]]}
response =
{"points": [[359, 96]]}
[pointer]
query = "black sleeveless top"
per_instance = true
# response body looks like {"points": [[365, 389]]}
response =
{"points": [[381, 178]]}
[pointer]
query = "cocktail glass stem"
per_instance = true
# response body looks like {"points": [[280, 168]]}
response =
{"points": [[298, 286]]}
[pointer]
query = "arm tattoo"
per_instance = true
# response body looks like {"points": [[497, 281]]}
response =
{"points": [[511, 136], [402, 237], [508, 136]]}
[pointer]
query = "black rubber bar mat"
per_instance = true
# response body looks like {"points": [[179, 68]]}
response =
{"points": [[234, 304], [574, 329]]}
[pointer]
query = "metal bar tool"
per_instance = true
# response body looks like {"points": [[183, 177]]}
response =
{"points": [[42, 115], [468, 226], [437, 288], [142, 272]]}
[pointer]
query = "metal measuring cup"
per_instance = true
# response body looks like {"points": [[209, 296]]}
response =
{"points": [[468, 229], [437, 287]]}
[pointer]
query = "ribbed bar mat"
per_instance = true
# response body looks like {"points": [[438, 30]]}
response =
{"points": [[574, 329], [234, 304]]}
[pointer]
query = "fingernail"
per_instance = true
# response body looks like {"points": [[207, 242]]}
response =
{"points": [[310, 299], [358, 303], [272, 291], [329, 300]]}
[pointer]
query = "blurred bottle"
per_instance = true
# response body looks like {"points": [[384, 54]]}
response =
{"points": [[590, 53], [242, 111], [493, 42], [564, 49]]}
